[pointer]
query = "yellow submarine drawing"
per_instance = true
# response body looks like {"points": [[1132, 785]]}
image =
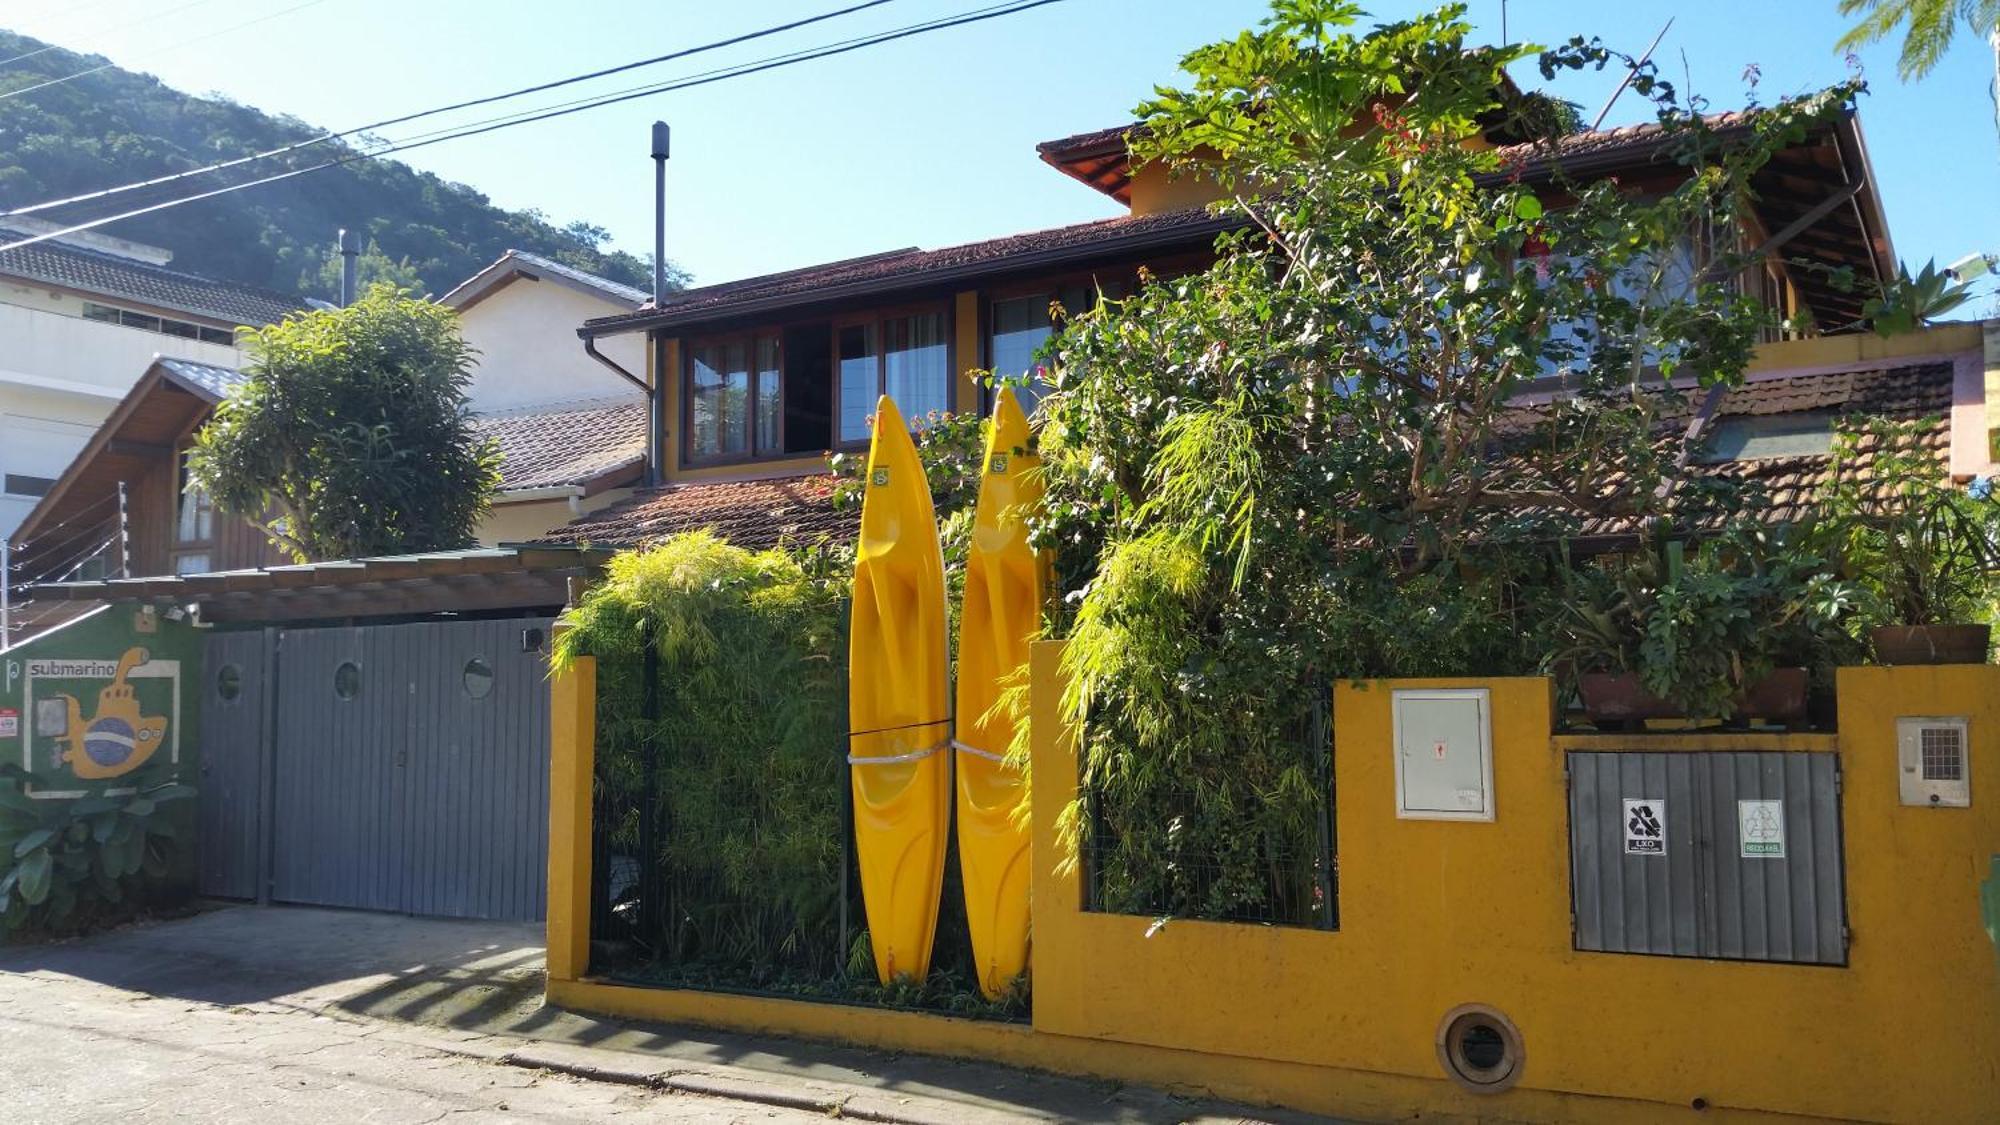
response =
{"points": [[118, 739]]}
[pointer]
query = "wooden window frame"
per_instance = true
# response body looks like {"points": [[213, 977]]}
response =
{"points": [[1049, 289], [874, 319], [177, 494], [748, 338]]}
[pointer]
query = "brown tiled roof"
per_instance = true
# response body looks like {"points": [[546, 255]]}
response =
{"points": [[751, 514], [1100, 158], [912, 268], [1786, 488], [760, 514], [575, 445]]}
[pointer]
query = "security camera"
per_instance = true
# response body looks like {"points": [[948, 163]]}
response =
{"points": [[1969, 267]]}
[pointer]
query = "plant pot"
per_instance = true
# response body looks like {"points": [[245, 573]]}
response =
{"points": [[1931, 644], [1620, 697]]}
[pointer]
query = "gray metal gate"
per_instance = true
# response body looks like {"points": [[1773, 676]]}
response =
{"points": [[233, 700], [411, 769], [1734, 855]]}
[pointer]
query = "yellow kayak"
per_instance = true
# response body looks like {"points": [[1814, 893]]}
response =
{"points": [[898, 707], [1004, 583]]}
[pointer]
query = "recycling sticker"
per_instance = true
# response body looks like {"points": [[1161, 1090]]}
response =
{"points": [[1645, 826], [1760, 829]]}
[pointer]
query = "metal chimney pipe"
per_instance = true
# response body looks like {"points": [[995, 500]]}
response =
{"points": [[656, 445], [349, 249], [661, 135]]}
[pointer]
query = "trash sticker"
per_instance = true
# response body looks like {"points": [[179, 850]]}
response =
{"points": [[10, 723], [1645, 826], [1760, 829]]}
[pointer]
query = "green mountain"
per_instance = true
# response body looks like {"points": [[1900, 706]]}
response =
{"points": [[117, 126]]}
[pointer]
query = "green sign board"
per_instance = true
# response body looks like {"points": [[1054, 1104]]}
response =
{"points": [[86, 706]]}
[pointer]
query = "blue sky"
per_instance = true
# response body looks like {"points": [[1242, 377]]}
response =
{"points": [[930, 141]]}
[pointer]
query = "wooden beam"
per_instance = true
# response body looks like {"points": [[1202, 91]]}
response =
{"points": [[143, 450]]}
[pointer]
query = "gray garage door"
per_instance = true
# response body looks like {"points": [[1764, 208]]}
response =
{"points": [[411, 768], [232, 763]]}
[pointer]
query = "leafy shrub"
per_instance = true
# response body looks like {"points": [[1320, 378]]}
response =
{"points": [[1700, 623], [1924, 551], [745, 764], [72, 865]]}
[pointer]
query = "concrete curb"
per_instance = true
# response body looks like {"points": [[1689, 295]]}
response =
{"points": [[858, 1103]]}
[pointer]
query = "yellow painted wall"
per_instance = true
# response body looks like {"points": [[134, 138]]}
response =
{"points": [[1863, 347], [1435, 914], [1155, 189]]}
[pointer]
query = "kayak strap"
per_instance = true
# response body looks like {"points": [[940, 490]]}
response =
{"points": [[898, 759], [976, 752]]}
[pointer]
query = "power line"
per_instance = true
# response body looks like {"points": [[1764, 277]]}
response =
{"points": [[295, 146], [531, 116], [169, 47], [154, 18]]}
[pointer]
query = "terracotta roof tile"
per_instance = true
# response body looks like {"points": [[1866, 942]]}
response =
{"points": [[571, 445], [759, 514], [751, 514]]}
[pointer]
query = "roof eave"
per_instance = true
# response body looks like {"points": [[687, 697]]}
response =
{"points": [[654, 320]]}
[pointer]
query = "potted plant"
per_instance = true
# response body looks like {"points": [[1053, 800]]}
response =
{"points": [[1924, 550], [1726, 629]]}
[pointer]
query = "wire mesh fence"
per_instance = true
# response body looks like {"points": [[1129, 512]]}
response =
{"points": [[1172, 854], [722, 846]]}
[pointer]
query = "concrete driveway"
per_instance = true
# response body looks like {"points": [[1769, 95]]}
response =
{"points": [[262, 1010]]}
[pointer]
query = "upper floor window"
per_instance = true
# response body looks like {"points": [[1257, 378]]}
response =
{"points": [[906, 357], [194, 523], [1017, 327], [166, 326], [735, 398]]}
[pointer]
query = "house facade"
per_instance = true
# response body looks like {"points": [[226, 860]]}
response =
{"points": [[81, 318], [571, 433], [763, 378]]}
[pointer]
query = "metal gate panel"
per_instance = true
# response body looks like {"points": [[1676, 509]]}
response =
{"points": [[230, 792], [417, 795], [333, 789], [1632, 904], [1770, 909], [1701, 896]]}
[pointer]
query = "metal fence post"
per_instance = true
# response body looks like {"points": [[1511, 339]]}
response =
{"points": [[6, 592], [124, 535], [650, 880]]}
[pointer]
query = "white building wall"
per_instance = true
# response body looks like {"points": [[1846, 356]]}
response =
{"points": [[529, 354], [60, 377]]}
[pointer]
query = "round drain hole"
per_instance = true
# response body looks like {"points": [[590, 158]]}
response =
{"points": [[1480, 1048]]}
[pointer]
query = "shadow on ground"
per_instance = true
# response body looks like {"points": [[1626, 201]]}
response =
{"points": [[485, 979]]}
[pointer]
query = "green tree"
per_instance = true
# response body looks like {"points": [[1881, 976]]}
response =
{"points": [[1311, 461], [352, 436], [1929, 26]]}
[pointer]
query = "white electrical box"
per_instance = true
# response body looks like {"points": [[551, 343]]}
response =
{"points": [[1934, 760], [1444, 754]]}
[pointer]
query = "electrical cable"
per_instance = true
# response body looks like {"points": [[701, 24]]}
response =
{"points": [[473, 103], [529, 117], [154, 18], [160, 51]]}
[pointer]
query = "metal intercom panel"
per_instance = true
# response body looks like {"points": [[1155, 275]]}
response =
{"points": [[1724, 854]]}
